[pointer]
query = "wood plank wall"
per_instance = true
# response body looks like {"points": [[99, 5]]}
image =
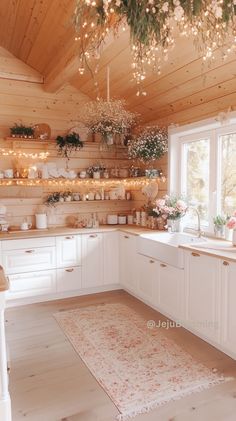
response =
{"points": [[23, 100]]}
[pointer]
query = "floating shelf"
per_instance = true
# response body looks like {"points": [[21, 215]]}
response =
{"points": [[88, 182]]}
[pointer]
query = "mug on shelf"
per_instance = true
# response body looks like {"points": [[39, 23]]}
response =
{"points": [[25, 226], [8, 173]]}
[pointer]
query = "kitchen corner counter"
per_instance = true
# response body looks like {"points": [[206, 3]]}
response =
{"points": [[57, 231], [214, 248]]}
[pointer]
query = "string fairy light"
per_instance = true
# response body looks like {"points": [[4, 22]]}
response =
{"points": [[20, 154]]}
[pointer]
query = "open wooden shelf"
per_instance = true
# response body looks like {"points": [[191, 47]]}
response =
{"points": [[90, 182]]}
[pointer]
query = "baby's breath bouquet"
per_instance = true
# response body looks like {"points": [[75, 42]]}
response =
{"points": [[149, 145]]}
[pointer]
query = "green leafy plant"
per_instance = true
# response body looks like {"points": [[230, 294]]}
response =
{"points": [[220, 220], [21, 131], [68, 144], [52, 199]]}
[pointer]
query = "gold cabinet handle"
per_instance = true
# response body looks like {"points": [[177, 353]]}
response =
{"points": [[163, 265], [70, 270], [225, 263], [195, 254], [126, 236], [93, 235], [29, 251], [69, 238], [151, 261]]}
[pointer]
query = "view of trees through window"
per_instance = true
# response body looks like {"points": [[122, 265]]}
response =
{"points": [[196, 185], [228, 173]]}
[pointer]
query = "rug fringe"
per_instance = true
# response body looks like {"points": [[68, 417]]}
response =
{"points": [[153, 405]]}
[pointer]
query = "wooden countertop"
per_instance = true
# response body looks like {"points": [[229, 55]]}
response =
{"points": [[214, 248]]}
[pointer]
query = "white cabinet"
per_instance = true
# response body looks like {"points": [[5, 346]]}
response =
{"points": [[69, 279], [28, 260], [68, 251], [92, 257], [170, 292], [32, 284], [202, 295], [228, 306], [110, 258], [128, 261], [148, 278]]}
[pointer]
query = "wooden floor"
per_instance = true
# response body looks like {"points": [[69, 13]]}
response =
{"points": [[49, 382]]}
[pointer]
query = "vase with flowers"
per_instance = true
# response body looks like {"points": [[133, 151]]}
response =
{"points": [[231, 224], [172, 209]]}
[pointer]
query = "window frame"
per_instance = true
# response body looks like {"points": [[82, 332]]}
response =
{"points": [[212, 129]]}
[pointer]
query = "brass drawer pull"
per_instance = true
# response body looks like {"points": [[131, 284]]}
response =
{"points": [[225, 263], [151, 261], [93, 235], [29, 251], [163, 265], [69, 270], [195, 254], [69, 238], [126, 236]]}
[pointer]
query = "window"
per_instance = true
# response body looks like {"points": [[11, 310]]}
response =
{"points": [[203, 169]]}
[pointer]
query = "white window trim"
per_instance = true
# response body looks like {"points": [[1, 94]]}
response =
{"points": [[194, 131]]}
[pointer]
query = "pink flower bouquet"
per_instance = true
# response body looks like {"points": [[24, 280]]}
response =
{"points": [[170, 207], [231, 224]]}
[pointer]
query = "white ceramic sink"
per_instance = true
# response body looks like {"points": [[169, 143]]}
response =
{"points": [[164, 246]]}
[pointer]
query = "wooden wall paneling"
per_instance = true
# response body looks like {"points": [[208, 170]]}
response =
{"points": [[8, 14]]}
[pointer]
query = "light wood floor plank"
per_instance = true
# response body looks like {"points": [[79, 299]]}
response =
{"points": [[49, 382]]}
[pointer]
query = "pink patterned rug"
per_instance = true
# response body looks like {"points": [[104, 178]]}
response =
{"points": [[140, 369]]}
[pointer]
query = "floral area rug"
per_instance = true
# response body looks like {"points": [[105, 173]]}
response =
{"points": [[140, 369]]}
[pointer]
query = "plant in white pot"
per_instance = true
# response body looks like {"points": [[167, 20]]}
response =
{"points": [[231, 224]]}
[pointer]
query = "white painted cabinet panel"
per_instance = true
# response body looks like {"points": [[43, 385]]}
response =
{"points": [[28, 260], [69, 279], [148, 278], [228, 306], [68, 251], [92, 257], [202, 295], [32, 284], [170, 291], [128, 261], [110, 258]]}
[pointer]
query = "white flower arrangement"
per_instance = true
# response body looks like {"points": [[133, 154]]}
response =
{"points": [[107, 117], [170, 207], [151, 144]]}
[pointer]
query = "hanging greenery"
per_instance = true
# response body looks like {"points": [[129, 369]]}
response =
{"points": [[153, 24], [69, 143]]}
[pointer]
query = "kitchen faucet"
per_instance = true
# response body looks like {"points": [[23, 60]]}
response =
{"points": [[199, 231]]}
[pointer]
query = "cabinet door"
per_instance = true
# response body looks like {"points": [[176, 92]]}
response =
{"points": [[92, 258], [147, 278], [32, 284], [29, 260], [128, 261], [202, 295], [170, 290], [111, 258], [69, 279], [228, 316], [68, 251]]}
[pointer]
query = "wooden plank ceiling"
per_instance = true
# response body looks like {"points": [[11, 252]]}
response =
{"points": [[40, 33]]}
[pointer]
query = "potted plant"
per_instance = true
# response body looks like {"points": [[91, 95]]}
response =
{"points": [[219, 225], [151, 144], [68, 144], [52, 199], [231, 224], [19, 130]]}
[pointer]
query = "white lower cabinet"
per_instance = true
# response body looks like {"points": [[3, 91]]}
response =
{"points": [[92, 258], [148, 278], [32, 284], [110, 258], [170, 292], [69, 279], [202, 283], [128, 261], [68, 250], [29, 260], [228, 307]]}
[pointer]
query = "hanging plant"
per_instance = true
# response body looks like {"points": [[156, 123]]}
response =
{"points": [[68, 144], [149, 145]]}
